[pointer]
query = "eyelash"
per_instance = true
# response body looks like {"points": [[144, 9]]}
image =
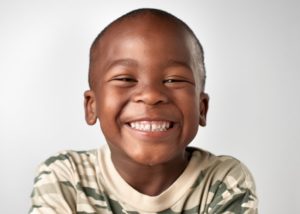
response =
{"points": [[166, 81], [125, 79], [173, 80]]}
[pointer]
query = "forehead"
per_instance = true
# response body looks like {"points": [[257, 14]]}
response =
{"points": [[146, 25], [150, 33]]}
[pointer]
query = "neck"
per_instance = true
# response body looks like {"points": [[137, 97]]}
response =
{"points": [[151, 180]]}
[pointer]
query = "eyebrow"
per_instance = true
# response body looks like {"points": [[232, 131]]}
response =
{"points": [[133, 63], [125, 62], [177, 63]]}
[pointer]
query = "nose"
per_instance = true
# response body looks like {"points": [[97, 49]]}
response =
{"points": [[150, 95]]}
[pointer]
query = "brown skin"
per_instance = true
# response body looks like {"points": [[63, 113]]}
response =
{"points": [[144, 71]]}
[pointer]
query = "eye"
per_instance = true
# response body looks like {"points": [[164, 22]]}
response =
{"points": [[178, 82], [125, 79], [173, 81]]}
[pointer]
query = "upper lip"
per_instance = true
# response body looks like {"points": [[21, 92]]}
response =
{"points": [[149, 115], [148, 118]]}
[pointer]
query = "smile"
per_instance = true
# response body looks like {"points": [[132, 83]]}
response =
{"points": [[151, 126]]}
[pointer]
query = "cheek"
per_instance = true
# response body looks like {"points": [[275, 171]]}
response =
{"points": [[189, 107], [109, 103], [191, 114], [188, 102], [109, 107]]}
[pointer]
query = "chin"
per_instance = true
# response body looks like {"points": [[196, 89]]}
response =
{"points": [[152, 158]]}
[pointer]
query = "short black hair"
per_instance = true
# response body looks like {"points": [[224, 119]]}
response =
{"points": [[138, 13]]}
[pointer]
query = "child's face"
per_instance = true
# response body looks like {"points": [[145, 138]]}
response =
{"points": [[145, 94]]}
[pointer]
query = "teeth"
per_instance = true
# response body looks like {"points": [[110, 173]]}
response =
{"points": [[153, 126]]}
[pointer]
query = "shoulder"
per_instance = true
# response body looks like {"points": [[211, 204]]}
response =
{"points": [[60, 178], [70, 156], [229, 182], [222, 166], [68, 159], [68, 165]]}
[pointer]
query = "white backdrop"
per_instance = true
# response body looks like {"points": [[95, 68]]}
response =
{"points": [[252, 59]]}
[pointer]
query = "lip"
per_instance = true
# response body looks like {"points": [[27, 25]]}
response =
{"points": [[149, 119], [145, 135]]}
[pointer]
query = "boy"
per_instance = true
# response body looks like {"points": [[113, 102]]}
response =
{"points": [[146, 81]]}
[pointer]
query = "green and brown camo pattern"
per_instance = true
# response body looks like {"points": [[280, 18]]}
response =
{"points": [[67, 183]]}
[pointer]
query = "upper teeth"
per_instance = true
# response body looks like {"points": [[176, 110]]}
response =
{"points": [[150, 125]]}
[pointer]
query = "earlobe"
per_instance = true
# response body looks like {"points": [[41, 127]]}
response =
{"points": [[203, 108], [90, 107]]}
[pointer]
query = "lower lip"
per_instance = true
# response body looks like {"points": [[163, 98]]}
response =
{"points": [[158, 135]]}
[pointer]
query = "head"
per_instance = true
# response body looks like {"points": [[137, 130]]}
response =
{"points": [[147, 80], [197, 55]]}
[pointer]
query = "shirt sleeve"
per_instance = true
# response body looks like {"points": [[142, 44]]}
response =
{"points": [[235, 194], [53, 190]]}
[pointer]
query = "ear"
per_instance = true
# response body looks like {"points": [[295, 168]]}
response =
{"points": [[203, 108], [90, 107]]}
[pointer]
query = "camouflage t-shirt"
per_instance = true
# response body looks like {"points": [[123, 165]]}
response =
{"points": [[87, 182]]}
